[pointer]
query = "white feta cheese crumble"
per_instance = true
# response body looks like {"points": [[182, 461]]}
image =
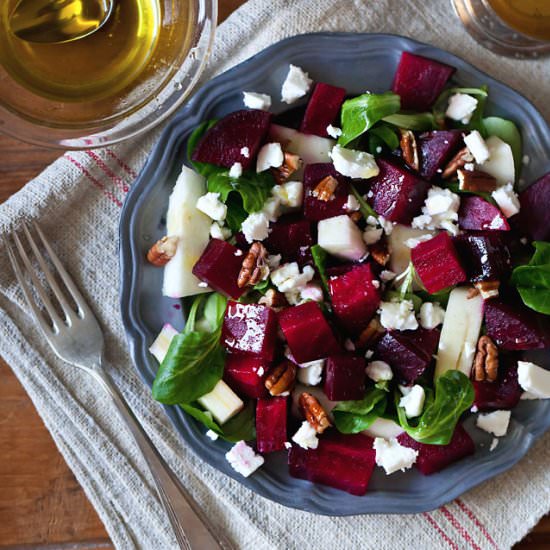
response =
{"points": [[306, 436], [236, 171], [334, 131], [272, 209], [352, 204], [260, 372], [341, 237], [369, 354], [495, 422], [202, 284], [288, 278], [379, 371], [253, 100], [296, 85], [212, 435], [494, 444], [477, 146], [218, 231], [461, 107], [311, 292], [385, 224], [211, 205], [525, 160], [431, 315], [398, 315], [387, 275], [440, 211], [273, 261], [255, 227], [507, 200], [354, 164], [245, 152], [392, 456], [413, 401], [413, 242], [534, 379], [372, 234], [290, 193], [243, 459], [310, 373], [270, 156]]}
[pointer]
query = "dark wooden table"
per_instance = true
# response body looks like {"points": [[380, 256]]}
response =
{"points": [[41, 503]]}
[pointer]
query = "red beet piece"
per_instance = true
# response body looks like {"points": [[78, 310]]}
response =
{"points": [[345, 377], [534, 215], [432, 458], [222, 144], [485, 256], [398, 193], [419, 81], [316, 209], [476, 214], [250, 329], [271, 424], [436, 263], [341, 461], [219, 266], [355, 298], [241, 374], [515, 327], [436, 149], [291, 237], [322, 109], [504, 393], [307, 332], [408, 352]]}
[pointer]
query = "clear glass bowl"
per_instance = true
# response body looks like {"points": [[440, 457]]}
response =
{"points": [[186, 33]]}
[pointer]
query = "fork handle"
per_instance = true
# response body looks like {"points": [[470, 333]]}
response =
{"points": [[193, 530]]}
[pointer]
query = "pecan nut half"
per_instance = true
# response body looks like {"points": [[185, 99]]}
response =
{"points": [[462, 158], [291, 164], [162, 251], [487, 289], [281, 379], [380, 252], [409, 148], [486, 360], [476, 180], [324, 190], [314, 412], [254, 267], [273, 298], [370, 334]]}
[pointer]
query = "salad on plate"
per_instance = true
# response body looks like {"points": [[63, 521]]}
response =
{"points": [[362, 274]]}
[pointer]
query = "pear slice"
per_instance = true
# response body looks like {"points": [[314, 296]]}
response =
{"points": [[222, 402], [460, 332], [500, 163], [192, 228], [400, 252]]}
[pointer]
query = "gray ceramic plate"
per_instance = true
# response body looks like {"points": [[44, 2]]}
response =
{"points": [[357, 62]]}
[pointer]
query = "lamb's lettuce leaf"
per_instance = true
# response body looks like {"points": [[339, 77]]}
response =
{"points": [[364, 207], [361, 113], [352, 417], [380, 136], [319, 260], [454, 394], [418, 122]]}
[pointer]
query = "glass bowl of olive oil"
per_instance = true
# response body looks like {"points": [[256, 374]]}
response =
{"points": [[109, 86]]}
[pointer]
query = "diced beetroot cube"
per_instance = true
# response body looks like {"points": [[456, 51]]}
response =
{"points": [[436, 149], [271, 424], [476, 214], [355, 297], [316, 209], [419, 81], [250, 329], [398, 193], [504, 393], [307, 332], [432, 458], [322, 109], [341, 461], [222, 144], [515, 327], [408, 352], [345, 377], [291, 237], [246, 374], [534, 214], [485, 256], [219, 266], [436, 263]]}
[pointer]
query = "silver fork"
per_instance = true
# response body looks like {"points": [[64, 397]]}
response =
{"points": [[77, 339]]}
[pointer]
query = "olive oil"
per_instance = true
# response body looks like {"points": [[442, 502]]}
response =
{"points": [[530, 17], [90, 68]]}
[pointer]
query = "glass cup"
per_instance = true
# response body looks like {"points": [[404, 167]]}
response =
{"points": [[515, 28]]}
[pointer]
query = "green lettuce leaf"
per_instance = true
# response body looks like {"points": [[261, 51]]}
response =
{"points": [[382, 135], [319, 260], [418, 122], [454, 394], [362, 112], [352, 417], [364, 207]]}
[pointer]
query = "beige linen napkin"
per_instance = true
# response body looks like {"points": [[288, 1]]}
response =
{"points": [[77, 200]]}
